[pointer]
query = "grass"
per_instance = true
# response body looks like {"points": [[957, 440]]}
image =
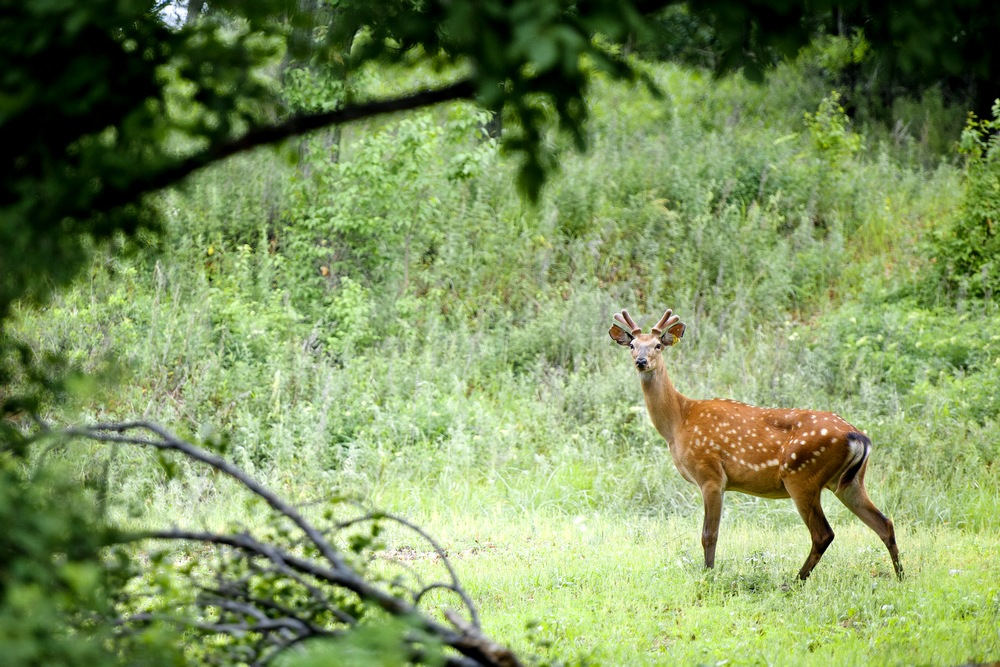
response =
{"points": [[558, 502], [632, 591], [561, 574]]}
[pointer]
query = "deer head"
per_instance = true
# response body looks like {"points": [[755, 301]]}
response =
{"points": [[646, 348]]}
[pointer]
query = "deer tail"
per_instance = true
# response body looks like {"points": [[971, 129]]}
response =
{"points": [[860, 446]]}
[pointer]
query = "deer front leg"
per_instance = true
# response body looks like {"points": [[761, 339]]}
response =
{"points": [[711, 494]]}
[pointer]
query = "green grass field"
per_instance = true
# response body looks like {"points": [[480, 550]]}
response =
{"points": [[566, 580], [632, 591]]}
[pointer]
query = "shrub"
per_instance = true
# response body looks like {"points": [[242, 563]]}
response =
{"points": [[928, 358], [57, 589], [966, 252]]}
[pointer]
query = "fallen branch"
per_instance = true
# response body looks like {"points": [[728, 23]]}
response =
{"points": [[330, 595]]}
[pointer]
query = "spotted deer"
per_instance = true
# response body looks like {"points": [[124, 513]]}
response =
{"points": [[722, 445]]}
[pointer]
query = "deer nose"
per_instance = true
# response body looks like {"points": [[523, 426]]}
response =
{"points": [[641, 363]]}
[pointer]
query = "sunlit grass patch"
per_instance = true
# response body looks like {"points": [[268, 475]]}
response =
{"points": [[632, 591]]}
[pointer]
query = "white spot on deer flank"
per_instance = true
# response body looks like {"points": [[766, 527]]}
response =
{"points": [[823, 432]]}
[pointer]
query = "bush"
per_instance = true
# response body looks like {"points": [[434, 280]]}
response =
{"points": [[935, 361], [965, 253], [57, 587], [374, 214]]}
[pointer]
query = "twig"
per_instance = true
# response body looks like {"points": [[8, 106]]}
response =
{"points": [[170, 441]]}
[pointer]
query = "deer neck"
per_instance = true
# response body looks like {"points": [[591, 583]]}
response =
{"points": [[666, 406]]}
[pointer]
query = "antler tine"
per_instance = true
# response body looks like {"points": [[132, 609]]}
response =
{"points": [[625, 319], [665, 321]]}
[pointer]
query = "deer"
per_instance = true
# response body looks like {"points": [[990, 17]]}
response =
{"points": [[723, 445]]}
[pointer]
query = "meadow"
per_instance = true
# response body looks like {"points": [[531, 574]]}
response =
{"points": [[392, 323]]}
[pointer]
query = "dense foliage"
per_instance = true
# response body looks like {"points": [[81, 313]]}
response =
{"points": [[58, 584], [133, 105]]}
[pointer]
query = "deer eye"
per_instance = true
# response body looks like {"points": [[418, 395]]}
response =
{"points": [[658, 346], [631, 346]]}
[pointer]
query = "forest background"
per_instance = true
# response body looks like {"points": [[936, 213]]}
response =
{"points": [[409, 313]]}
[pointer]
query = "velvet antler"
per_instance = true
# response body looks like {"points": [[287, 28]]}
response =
{"points": [[665, 322], [629, 323]]}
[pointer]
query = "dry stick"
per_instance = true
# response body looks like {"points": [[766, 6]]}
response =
{"points": [[271, 624], [237, 594], [315, 593], [170, 441], [236, 629], [282, 559], [469, 641]]}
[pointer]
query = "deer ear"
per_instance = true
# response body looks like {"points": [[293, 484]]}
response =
{"points": [[673, 335], [619, 335]]}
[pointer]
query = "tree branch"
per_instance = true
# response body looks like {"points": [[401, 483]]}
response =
{"points": [[469, 640], [330, 569], [170, 441], [270, 134], [454, 586]]}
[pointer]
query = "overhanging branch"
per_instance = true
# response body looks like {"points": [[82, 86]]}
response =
{"points": [[270, 134]]}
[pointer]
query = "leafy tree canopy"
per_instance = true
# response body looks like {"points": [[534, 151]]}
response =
{"points": [[907, 47]]}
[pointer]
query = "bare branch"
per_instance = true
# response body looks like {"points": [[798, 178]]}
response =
{"points": [[232, 597], [265, 625], [168, 440], [261, 604], [455, 586]]}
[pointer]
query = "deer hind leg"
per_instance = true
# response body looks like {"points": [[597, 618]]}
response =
{"points": [[856, 499], [711, 493], [811, 511]]}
